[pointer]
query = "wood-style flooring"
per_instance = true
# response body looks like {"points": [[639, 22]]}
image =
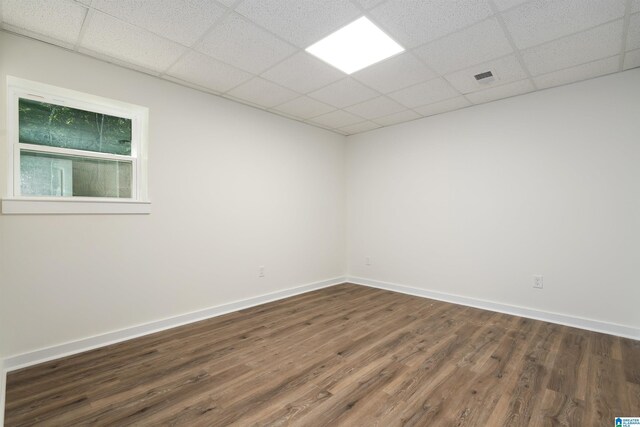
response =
{"points": [[345, 355]]}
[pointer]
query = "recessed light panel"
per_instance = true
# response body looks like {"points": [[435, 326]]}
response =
{"points": [[356, 46]]}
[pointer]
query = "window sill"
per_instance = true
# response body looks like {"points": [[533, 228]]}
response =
{"points": [[35, 206]]}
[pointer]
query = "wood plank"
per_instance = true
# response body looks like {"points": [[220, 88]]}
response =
{"points": [[557, 409], [345, 355], [631, 358], [607, 395]]}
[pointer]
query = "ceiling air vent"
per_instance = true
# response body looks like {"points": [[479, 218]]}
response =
{"points": [[486, 77]]}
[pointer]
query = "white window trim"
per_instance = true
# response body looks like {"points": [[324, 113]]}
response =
{"points": [[14, 203]]}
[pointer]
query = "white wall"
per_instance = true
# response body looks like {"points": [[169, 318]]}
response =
{"points": [[232, 188], [476, 201], [471, 202]]}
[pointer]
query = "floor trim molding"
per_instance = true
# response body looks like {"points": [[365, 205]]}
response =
{"points": [[3, 389], [562, 319], [73, 347], [78, 346]]}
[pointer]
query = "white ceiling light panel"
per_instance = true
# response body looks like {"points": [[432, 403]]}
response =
{"points": [[355, 46]]}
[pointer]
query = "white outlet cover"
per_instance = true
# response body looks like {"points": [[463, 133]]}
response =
{"points": [[538, 282]]}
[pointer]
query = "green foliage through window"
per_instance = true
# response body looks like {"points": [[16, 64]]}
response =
{"points": [[65, 127]]}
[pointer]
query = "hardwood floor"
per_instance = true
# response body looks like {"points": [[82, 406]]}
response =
{"points": [[346, 355]]}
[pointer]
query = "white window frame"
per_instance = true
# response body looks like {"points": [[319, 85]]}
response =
{"points": [[15, 203]]}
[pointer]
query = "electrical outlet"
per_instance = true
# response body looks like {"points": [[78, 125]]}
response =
{"points": [[538, 282], [367, 260], [261, 271]]}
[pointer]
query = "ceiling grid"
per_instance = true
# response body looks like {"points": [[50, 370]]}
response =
{"points": [[253, 51]]}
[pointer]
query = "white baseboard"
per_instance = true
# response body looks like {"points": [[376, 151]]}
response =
{"points": [[73, 347], [562, 319], [3, 388], [85, 344]]}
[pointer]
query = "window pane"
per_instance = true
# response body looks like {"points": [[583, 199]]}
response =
{"points": [[58, 126], [53, 175]]}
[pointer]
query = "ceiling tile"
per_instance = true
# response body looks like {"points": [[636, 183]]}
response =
{"points": [[414, 22], [300, 22], [563, 41], [478, 43], [443, 106], [202, 70], [184, 21], [499, 92], [337, 119], [359, 128], [368, 4], [110, 36], [376, 107], [303, 73], [503, 5], [395, 73], [242, 44], [632, 59], [424, 93], [543, 20], [597, 43], [580, 72], [304, 107], [262, 92], [633, 34], [61, 20], [505, 70], [343, 93], [401, 117]]}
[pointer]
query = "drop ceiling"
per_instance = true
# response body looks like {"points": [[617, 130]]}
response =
{"points": [[252, 51]]}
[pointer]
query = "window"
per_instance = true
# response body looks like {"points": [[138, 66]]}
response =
{"points": [[71, 152]]}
